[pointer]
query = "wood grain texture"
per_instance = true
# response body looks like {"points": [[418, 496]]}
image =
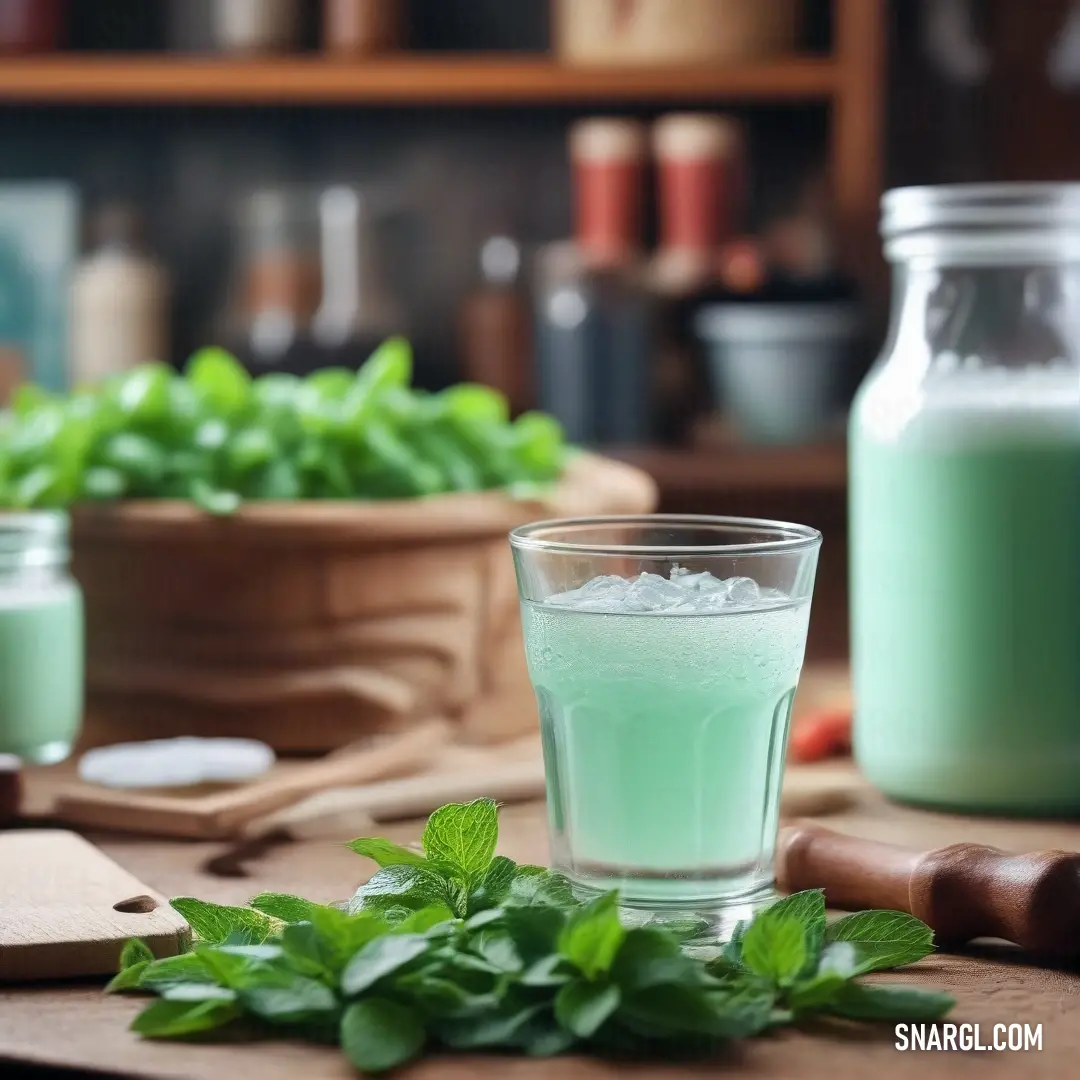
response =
{"points": [[224, 813], [406, 80], [309, 625], [857, 138], [991, 985], [57, 909]]}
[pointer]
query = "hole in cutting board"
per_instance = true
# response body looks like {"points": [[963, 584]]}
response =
{"points": [[136, 905]]}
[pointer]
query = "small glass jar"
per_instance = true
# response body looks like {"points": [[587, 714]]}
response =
{"points": [[965, 505], [41, 639]]}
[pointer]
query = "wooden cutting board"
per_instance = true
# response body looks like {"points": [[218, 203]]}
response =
{"points": [[66, 909]]}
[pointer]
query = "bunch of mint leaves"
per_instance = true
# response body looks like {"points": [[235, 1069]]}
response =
{"points": [[459, 948]]}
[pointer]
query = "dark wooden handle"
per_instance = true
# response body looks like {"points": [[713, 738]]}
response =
{"points": [[963, 892]]}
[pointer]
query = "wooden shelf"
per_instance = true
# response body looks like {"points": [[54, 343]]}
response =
{"points": [[684, 475], [413, 79]]}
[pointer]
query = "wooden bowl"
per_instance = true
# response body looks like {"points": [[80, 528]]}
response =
{"points": [[310, 624]]}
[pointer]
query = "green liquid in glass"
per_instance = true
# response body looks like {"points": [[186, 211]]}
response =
{"points": [[965, 533], [664, 739], [41, 671]]}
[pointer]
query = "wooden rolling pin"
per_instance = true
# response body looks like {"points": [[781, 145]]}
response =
{"points": [[962, 892]]}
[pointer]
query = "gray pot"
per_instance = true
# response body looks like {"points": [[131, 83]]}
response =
{"points": [[780, 369]]}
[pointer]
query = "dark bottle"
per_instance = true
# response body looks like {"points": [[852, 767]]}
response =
{"points": [[594, 325], [495, 330]]}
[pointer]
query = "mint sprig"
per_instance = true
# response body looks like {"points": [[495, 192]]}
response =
{"points": [[455, 947]]}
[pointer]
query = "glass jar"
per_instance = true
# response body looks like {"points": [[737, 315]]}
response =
{"points": [[965, 505], [41, 639], [276, 281]]}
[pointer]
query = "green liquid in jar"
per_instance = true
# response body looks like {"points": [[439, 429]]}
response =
{"points": [[41, 670], [965, 538]]}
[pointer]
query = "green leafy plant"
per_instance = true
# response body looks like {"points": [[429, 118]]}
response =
{"points": [[452, 946], [217, 437]]}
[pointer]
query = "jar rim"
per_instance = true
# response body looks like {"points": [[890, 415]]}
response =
{"points": [[983, 223], [33, 539]]}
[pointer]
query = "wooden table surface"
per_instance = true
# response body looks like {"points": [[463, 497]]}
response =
{"points": [[82, 1032], [76, 1027]]}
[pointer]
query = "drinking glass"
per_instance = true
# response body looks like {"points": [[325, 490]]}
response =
{"points": [[665, 652]]}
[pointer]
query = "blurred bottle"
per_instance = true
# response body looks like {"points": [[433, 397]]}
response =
{"points": [[256, 26], [119, 299], [190, 25], [699, 177], [594, 323], [32, 26], [801, 245], [275, 288], [495, 329], [355, 28], [358, 309]]}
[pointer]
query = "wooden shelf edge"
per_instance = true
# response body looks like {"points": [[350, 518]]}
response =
{"points": [[762, 470], [411, 79]]}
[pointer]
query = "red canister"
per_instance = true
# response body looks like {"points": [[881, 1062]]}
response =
{"points": [[608, 158]]}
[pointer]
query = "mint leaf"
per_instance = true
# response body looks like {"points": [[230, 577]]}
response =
{"points": [[495, 884], [684, 930], [135, 952], [172, 970], [774, 946], [731, 954], [742, 1007], [883, 939], [497, 1027], [333, 937], [283, 906], [234, 969], [463, 836], [581, 1007], [473, 951], [862, 1001], [411, 887], [297, 1000], [171, 1019], [541, 1038], [380, 958], [592, 936], [497, 948], [213, 923], [808, 908], [378, 1034], [670, 1010], [649, 957], [534, 930], [385, 852], [484, 918], [420, 922], [816, 992], [436, 996], [549, 971], [535, 885], [127, 978]]}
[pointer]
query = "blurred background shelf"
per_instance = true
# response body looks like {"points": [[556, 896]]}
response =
{"points": [[757, 470], [787, 483], [409, 80]]}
